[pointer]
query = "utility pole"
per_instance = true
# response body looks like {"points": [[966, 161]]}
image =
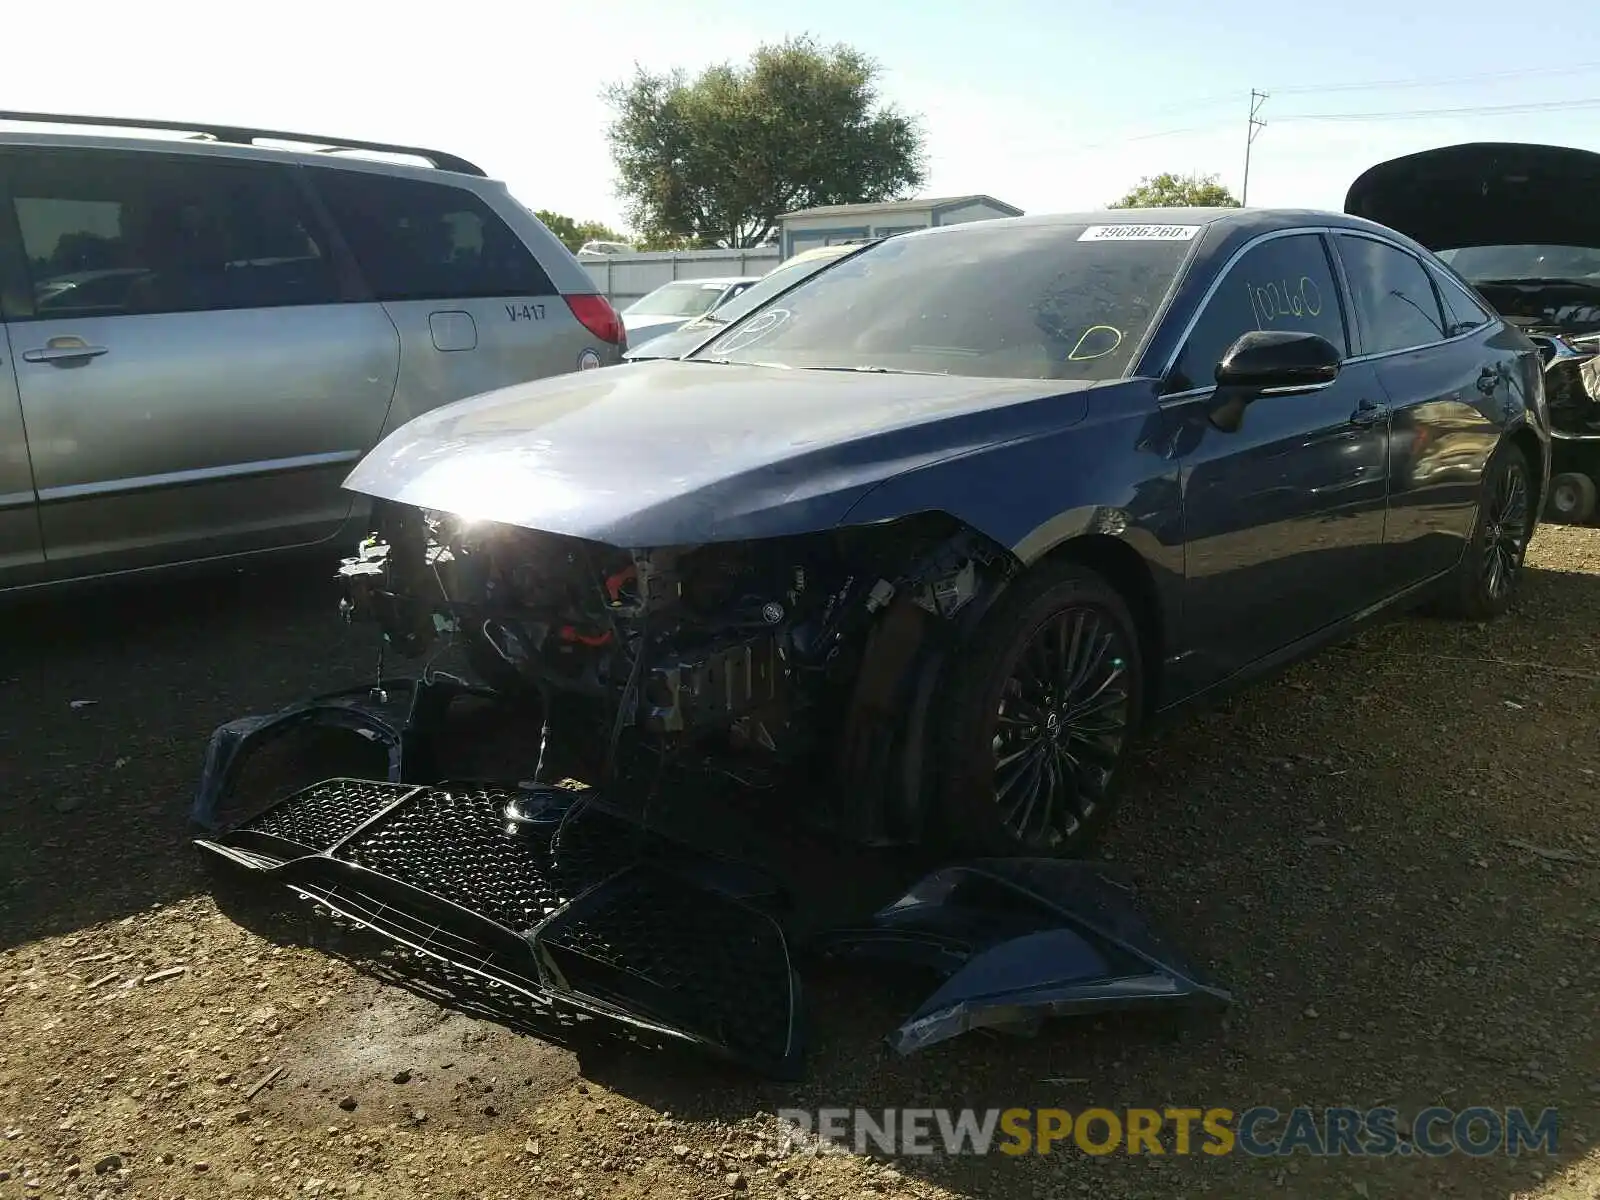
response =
{"points": [[1257, 99]]}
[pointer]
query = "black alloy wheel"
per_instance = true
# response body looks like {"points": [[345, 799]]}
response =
{"points": [[1038, 716], [1060, 727], [1505, 538], [1485, 580]]}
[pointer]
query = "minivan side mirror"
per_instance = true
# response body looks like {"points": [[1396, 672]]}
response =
{"points": [[1279, 361]]}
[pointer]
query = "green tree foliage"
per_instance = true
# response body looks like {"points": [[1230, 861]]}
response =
{"points": [[575, 233], [717, 159], [1178, 191]]}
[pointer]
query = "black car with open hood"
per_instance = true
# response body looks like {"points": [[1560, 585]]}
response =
{"points": [[1521, 223]]}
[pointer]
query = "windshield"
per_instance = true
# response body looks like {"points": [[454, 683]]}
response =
{"points": [[1525, 262], [685, 298], [1028, 302]]}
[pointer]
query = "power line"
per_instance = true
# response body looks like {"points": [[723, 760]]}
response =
{"points": [[1372, 85], [1406, 114]]}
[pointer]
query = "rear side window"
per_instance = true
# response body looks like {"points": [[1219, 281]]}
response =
{"points": [[416, 240], [135, 234], [1283, 283], [1461, 311], [1395, 303]]}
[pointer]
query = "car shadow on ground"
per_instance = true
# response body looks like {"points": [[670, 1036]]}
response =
{"points": [[106, 702]]}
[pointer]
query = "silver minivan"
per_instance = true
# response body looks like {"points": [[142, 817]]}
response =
{"points": [[203, 336]]}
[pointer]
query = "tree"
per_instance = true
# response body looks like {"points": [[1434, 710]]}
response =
{"points": [[574, 234], [1178, 191], [719, 158]]}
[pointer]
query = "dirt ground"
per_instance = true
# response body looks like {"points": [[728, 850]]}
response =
{"points": [[1347, 849]]}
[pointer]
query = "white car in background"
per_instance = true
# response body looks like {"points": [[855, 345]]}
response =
{"points": [[781, 278], [672, 304]]}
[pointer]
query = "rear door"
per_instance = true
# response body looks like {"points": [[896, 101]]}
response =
{"points": [[192, 377], [475, 309], [1448, 389], [21, 550]]}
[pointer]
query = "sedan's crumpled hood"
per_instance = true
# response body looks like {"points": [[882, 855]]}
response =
{"points": [[1485, 194], [668, 453]]}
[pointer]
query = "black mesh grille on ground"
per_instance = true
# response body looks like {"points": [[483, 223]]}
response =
{"points": [[721, 966], [591, 844], [625, 937], [321, 816], [454, 845]]}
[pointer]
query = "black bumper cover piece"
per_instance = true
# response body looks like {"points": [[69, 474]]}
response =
{"points": [[401, 715], [586, 917], [616, 922], [1020, 940]]}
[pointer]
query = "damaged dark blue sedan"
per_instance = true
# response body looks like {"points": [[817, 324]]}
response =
{"points": [[944, 525], [911, 552]]}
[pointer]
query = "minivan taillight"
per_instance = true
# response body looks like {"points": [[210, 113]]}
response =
{"points": [[598, 317]]}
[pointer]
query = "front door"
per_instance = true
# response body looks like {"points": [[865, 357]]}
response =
{"points": [[191, 380], [1284, 516]]}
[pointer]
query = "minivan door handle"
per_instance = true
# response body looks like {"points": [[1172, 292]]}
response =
{"points": [[62, 354]]}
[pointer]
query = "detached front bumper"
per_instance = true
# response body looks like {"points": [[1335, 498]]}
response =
{"points": [[568, 900]]}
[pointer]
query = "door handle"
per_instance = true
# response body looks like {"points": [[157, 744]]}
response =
{"points": [[56, 354], [1367, 413], [1488, 380]]}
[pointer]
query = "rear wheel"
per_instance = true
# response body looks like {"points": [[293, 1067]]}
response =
{"points": [[1486, 578], [1038, 717], [1572, 499]]}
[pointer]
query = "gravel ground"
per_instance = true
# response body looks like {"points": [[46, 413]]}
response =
{"points": [[1337, 846]]}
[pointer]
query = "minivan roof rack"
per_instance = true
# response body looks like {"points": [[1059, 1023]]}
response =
{"points": [[243, 135]]}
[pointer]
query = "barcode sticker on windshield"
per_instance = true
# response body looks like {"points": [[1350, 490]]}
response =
{"points": [[1139, 233]]}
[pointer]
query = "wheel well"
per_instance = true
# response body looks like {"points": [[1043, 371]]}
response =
{"points": [[1528, 442], [1124, 568]]}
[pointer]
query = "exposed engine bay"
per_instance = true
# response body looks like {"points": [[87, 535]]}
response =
{"points": [[1563, 320], [1571, 380], [1544, 306], [756, 658]]}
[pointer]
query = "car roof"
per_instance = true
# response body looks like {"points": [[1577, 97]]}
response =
{"points": [[358, 158], [1248, 220], [1223, 231]]}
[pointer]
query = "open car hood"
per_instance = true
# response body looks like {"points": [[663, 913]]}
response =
{"points": [[1485, 194]]}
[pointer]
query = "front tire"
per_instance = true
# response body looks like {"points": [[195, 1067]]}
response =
{"points": [[1038, 716], [1485, 580]]}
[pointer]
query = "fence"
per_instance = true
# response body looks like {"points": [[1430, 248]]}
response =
{"points": [[624, 278]]}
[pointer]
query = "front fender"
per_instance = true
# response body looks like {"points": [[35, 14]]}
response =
{"points": [[1110, 476]]}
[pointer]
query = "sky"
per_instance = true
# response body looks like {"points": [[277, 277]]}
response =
{"points": [[1049, 106]]}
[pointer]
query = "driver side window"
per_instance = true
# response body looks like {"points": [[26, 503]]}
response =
{"points": [[1283, 283]]}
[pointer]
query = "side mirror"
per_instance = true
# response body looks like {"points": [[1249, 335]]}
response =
{"points": [[1279, 361], [1270, 362]]}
